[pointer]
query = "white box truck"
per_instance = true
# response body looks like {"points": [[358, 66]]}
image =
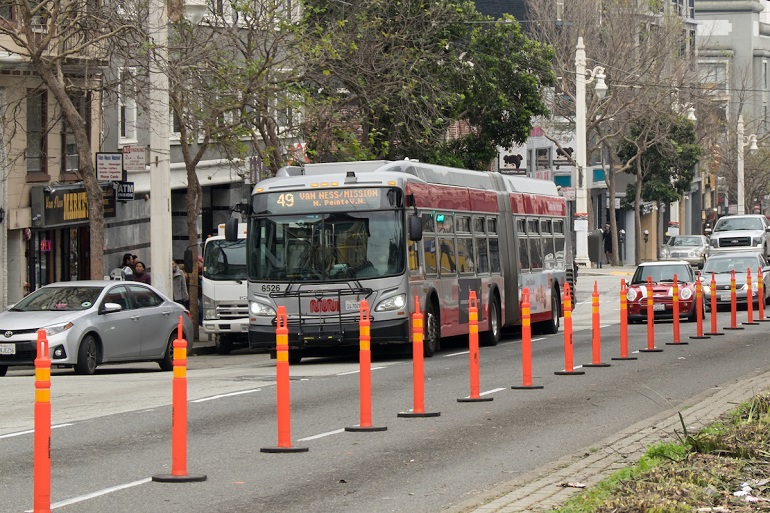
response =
{"points": [[224, 287]]}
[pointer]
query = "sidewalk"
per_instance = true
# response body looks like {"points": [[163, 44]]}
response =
{"points": [[544, 488]]}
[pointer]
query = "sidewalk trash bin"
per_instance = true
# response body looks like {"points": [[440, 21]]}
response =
{"points": [[595, 244]]}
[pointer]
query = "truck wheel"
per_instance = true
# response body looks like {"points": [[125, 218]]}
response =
{"points": [[224, 344]]}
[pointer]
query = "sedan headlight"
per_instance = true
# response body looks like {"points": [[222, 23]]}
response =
{"points": [[745, 286], [706, 289], [392, 303], [260, 309], [685, 293], [631, 295], [59, 328]]}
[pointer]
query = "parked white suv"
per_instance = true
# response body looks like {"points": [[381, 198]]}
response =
{"points": [[741, 233]]}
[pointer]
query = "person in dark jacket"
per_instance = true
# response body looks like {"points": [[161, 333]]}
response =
{"points": [[607, 239], [140, 274]]}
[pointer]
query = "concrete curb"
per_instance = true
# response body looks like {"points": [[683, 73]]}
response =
{"points": [[541, 490]]}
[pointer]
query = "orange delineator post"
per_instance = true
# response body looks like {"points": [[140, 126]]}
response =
{"points": [[733, 304], [568, 349], [596, 341], [473, 351], [624, 323], [749, 301], [179, 416], [418, 367], [526, 344], [650, 321], [714, 331], [699, 308], [677, 340], [760, 296], [41, 497], [365, 372], [282, 386]]}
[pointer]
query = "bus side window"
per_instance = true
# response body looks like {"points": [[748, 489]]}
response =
{"points": [[560, 249], [465, 260], [549, 258], [535, 254], [523, 254], [483, 255], [494, 254], [428, 222], [414, 257], [448, 257], [429, 245]]}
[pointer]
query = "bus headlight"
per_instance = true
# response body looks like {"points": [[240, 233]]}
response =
{"points": [[392, 303], [261, 309]]}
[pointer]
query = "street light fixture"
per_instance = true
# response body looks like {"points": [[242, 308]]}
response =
{"points": [[751, 142], [581, 190]]}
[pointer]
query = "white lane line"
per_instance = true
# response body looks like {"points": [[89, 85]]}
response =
{"points": [[493, 391], [99, 493], [9, 435], [315, 437], [456, 354], [538, 339], [605, 325], [357, 371], [220, 396]]}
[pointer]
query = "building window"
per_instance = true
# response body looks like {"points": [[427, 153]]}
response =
{"points": [[69, 159], [713, 75], [127, 102], [37, 110]]}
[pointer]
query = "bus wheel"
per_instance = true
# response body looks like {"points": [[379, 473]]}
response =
{"points": [[492, 337], [551, 326], [432, 336]]}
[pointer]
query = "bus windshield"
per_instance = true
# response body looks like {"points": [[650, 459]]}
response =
{"points": [[225, 261], [333, 246]]}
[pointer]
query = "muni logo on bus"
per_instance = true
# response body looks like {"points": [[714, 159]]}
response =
{"points": [[324, 305]]}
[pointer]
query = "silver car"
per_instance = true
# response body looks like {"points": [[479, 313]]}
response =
{"points": [[721, 266], [88, 323], [741, 233], [693, 249]]}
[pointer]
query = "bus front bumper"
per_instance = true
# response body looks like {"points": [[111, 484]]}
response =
{"points": [[313, 338]]}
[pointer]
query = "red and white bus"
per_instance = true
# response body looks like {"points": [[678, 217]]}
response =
{"points": [[325, 238]]}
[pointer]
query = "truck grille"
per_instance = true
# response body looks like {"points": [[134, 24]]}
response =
{"points": [[232, 311], [734, 242]]}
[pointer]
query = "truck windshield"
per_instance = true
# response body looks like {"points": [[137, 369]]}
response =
{"points": [[332, 246], [225, 261]]}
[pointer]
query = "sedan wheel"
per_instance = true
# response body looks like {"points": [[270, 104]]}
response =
{"points": [[167, 362], [88, 356]]}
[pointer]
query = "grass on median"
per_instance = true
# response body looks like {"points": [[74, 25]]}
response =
{"points": [[703, 470]]}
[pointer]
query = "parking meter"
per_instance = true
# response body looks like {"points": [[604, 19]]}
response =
{"points": [[646, 235]]}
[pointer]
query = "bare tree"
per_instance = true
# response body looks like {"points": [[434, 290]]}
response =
{"points": [[67, 44], [650, 68]]}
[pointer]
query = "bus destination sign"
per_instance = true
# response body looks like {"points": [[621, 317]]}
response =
{"points": [[327, 199]]}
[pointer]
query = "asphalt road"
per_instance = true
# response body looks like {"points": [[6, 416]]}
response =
{"points": [[112, 430]]}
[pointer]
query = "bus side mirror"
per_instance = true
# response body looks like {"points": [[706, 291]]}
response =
{"points": [[231, 230], [415, 228], [188, 260]]}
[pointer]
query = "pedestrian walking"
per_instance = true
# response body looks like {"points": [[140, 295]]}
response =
{"points": [[607, 239]]}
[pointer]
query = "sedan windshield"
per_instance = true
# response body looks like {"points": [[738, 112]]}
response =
{"points": [[332, 246], [662, 273], [726, 265], [686, 241], [59, 298]]}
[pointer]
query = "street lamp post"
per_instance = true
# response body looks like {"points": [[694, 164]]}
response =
{"points": [[581, 190], [751, 142], [161, 252]]}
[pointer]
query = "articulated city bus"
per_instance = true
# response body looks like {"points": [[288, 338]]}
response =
{"points": [[322, 240]]}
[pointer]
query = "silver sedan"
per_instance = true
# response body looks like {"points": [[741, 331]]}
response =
{"points": [[693, 249], [88, 323]]}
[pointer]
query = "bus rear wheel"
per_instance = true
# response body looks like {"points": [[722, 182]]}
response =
{"points": [[551, 326], [492, 337], [432, 336]]}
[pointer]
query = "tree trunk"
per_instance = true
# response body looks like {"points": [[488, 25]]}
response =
{"points": [[637, 212], [85, 159]]}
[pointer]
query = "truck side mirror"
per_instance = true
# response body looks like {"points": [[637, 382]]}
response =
{"points": [[415, 228], [231, 230]]}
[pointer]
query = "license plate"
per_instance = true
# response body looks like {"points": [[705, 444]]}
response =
{"points": [[7, 348], [725, 297], [658, 307]]}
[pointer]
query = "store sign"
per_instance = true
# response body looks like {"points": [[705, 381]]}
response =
{"points": [[60, 205], [45, 245], [124, 191], [109, 167]]}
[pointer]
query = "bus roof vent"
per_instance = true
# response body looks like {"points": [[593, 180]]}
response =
{"points": [[350, 177]]}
